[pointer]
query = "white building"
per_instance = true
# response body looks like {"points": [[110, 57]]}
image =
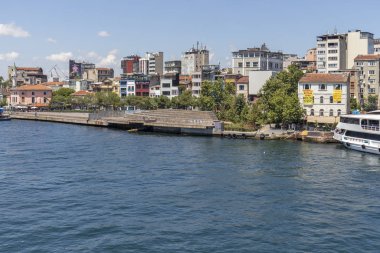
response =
{"points": [[337, 51], [152, 63], [324, 97], [193, 60], [258, 58], [196, 80], [169, 85], [331, 52], [257, 79]]}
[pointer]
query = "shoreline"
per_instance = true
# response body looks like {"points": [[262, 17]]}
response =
{"points": [[192, 127]]}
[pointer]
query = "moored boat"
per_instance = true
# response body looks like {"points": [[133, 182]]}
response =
{"points": [[3, 116], [360, 132]]}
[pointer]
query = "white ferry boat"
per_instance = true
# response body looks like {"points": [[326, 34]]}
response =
{"points": [[360, 132]]}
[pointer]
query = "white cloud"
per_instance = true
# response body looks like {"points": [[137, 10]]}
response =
{"points": [[110, 59], [51, 40], [103, 34], [9, 56], [64, 56], [13, 30], [93, 54]]}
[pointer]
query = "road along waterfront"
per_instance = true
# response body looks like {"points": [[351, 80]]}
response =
{"points": [[73, 188]]}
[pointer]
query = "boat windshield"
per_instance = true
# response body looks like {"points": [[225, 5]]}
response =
{"points": [[349, 120]]}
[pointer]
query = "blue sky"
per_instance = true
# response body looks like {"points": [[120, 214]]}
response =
{"points": [[45, 33]]}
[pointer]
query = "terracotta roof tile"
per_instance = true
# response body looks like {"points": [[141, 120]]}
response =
{"points": [[33, 87], [367, 57], [324, 78], [81, 93], [243, 79]]}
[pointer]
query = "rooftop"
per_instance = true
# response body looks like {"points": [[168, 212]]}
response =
{"points": [[324, 78], [52, 83], [33, 87], [367, 57], [243, 79]]}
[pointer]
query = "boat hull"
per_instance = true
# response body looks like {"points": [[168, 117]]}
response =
{"points": [[362, 148]]}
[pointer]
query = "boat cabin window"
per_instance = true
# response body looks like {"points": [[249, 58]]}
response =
{"points": [[375, 137], [373, 123], [349, 120], [363, 122]]}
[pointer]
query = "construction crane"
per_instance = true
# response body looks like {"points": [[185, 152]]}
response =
{"points": [[56, 73]]}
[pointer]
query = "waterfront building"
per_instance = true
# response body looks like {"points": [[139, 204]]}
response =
{"points": [[26, 75], [130, 64], [257, 58], [358, 43], [169, 85], [173, 66], [135, 85], [36, 95], [193, 59], [54, 85], [242, 85], [257, 79], [324, 97], [368, 67], [288, 59]]}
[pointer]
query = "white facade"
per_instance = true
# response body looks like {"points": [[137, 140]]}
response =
{"points": [[324, 100], [131, 87], [196, 84], [152, 63], [331, 52], [168, 89], [257, 80], [358, 43], [155, 91]]}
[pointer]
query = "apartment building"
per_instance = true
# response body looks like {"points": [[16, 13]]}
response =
{"points": [[194, 59], [26, 75], [331, 52], [376, 46], [368, 67], [324, 97], [337, 51], [130, 64], [258, 58], [169, 85], [172, 66], [207, 73], [152, 63]]}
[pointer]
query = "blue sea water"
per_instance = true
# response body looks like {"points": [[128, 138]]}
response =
{"points": [[70, 188]]}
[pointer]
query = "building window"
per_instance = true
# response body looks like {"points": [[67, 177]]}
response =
{"points": [[33, 100], [306, 86], [321, 112], [331, 99], [333, 51], [331, 112], [241, 87], [45, 100], [371, 90], [166, 93], [372, 63], [23, 100], [240, 64], [33, 93], [339, 112], [312, 112], [333, 58], [337, 87], [321, 100], [322, 87], [360, 63], [371, 72], [247, 64]]}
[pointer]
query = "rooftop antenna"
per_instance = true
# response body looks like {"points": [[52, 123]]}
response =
{"points": [[197, 45], [335, 30]]}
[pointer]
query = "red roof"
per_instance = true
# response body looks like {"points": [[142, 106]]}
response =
{"points": [[33, 87], [243, 79], [367, 57], [81, 93], [324, 78]]}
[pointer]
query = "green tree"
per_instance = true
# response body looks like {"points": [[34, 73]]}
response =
{"points": [[354, 105], [279, 99], [107, 99], [183, 101], [65, 92], [371, 103]]}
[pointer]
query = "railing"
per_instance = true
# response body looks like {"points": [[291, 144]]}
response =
{"points": [[372, 128]]}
